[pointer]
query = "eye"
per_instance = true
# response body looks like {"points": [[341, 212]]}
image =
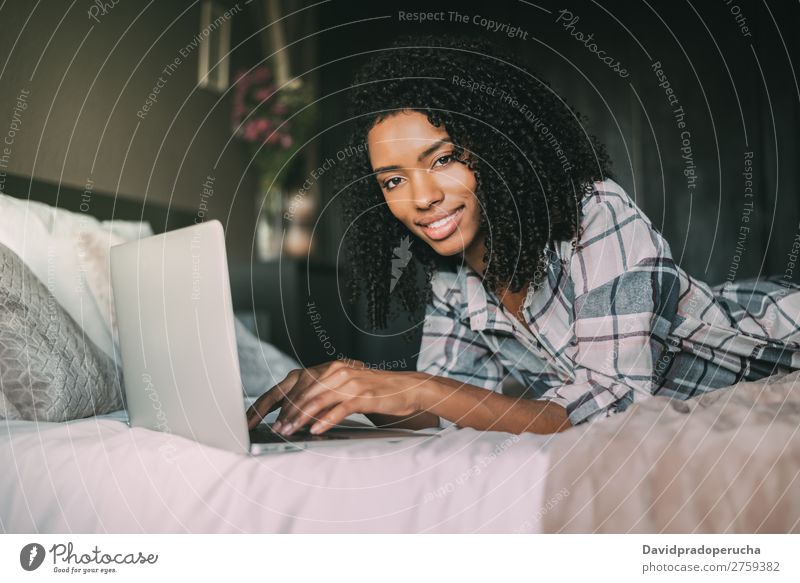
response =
{"points": [[443, 160], [392, 182]]}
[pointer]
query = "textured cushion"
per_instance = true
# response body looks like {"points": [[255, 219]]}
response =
{"points": [[50, 370]]}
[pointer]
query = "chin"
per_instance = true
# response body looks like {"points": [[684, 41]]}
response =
{"points": [[453, 245], [446, 250]]}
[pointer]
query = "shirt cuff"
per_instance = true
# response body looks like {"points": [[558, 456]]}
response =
{"points": [[444, 423], [593, 405]]}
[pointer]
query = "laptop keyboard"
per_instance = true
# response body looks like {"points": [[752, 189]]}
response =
{"points": [[264, 434]]}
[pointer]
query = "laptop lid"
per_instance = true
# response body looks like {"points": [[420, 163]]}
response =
{"points": [[176, 333]]}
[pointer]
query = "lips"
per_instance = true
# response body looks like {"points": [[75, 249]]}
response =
{"points": [[445, 226]]}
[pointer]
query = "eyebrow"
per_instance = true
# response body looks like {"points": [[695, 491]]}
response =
{"points": [[424, 154]]}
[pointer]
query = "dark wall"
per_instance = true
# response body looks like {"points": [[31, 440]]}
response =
{"points": [[84, 83], [728, 64]]}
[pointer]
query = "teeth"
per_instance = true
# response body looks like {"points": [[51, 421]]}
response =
{"points": [[440, 222]]}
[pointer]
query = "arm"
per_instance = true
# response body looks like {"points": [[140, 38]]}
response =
{"points": [[626, 288], [450, 349], [459, 375], [478, 408], [327, 393], [475, 407]]}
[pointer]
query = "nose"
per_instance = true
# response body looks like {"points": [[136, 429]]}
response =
{"points": [[425, 189]]}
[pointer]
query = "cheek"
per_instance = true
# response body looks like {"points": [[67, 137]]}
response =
{"points": [[472, 215], [458, 178], [475, 210], [396, 207]]}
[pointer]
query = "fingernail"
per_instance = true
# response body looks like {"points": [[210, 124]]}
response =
{"points": [[288, 428], [276, 426], [316, 428]]}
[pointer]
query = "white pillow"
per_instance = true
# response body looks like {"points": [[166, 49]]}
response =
{"points": [[69, 253]]}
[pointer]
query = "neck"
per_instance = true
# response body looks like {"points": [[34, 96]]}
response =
{"points": [[473, 255]]}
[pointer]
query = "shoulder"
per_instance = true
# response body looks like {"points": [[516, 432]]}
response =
{"points": [[602, 206], [605, 204], [615, 234]]}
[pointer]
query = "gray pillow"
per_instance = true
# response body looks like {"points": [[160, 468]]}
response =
{"points": [[261, 365], [49, 369]]}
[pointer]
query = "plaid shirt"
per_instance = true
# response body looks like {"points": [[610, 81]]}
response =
{"points": [[615, 321]]}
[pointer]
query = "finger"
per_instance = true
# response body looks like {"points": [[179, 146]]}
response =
{"points": [[331, 387], [336, 415], [305, 379], [306, 414], [322, 412], [312, 384], [326, 410], [270, 400], [259, 410]]}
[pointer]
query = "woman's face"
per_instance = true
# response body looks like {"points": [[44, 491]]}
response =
{"points": [[425, 186]]}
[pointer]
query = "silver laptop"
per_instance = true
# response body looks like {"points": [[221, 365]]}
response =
{"points": [[176, 334]]}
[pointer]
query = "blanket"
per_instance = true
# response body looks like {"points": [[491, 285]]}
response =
{"points": [[725, 462]]}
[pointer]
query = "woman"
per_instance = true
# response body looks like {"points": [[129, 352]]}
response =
{"points": [[538, 264]]}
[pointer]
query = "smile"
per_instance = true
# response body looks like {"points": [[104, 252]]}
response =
{"points": [[444, 227]]}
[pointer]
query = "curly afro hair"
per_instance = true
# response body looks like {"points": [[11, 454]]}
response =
{"points": [[529, 150]]}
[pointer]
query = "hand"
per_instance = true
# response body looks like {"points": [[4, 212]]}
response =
{"points": [[327, 393]]}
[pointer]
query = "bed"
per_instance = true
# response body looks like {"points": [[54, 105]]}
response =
{"points": [[724, 462], [727, 461], [98, 475]]}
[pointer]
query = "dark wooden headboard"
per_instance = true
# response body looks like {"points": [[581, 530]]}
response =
{"points": [[104, 206]]}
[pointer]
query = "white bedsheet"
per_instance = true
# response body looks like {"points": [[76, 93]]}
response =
{"points": [[98, 475]]}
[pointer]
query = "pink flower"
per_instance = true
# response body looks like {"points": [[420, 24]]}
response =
{"points": [[264, 128], [263, 94], [252, 88], [250, 132]]}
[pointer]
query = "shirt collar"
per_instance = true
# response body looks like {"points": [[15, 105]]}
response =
{"points": [[481, 309]]}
